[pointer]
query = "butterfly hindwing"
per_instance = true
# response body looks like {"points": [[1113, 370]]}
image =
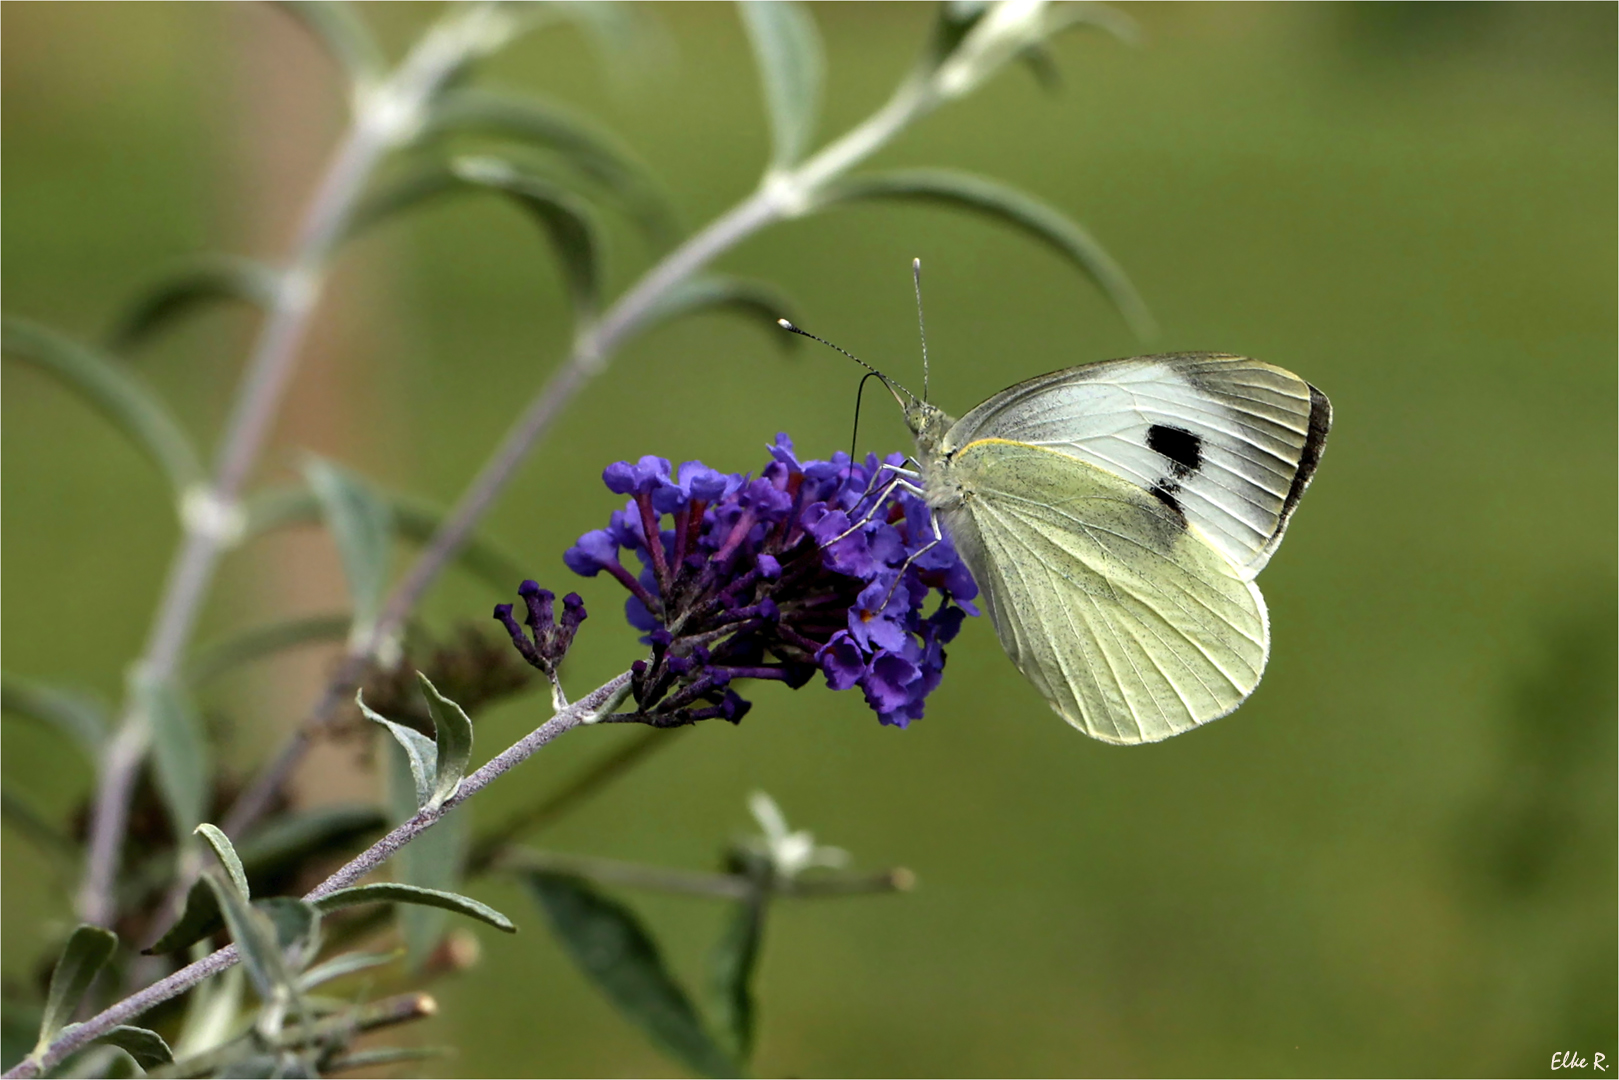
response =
{"points": [[1131, 626], [1227, 442]]}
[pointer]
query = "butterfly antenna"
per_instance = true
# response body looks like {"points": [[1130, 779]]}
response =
{"points": [[921, 323], [893, 387], [854, 436]]}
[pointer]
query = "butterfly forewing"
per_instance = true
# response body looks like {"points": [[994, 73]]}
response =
{"points": [[1227, 442], [1132, 627]]}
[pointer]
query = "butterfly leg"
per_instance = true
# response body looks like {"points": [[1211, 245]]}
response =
{"points": [[906, 565], [901, 483]]}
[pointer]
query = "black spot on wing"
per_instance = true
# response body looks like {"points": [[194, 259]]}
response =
{"points": [[1183, 449], [1166, 492]]}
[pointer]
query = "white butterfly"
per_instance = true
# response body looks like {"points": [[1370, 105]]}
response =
{"points": [[1114, 516]]}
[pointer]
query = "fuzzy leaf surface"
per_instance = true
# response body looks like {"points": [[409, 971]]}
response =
{"points": [[201, 918], [452, 733], [145, 1046], [421, 754], [399, 893], [226, 852], [86, 951]]}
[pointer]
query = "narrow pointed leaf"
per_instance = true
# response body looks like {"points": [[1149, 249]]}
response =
{"points": [[965, 191], [226, 851], [343, 35], [218, 657], [257, 939], [452, 732], [342, 966], [731, 965], [415, 520], [615, 951], [721, 292], [201, 918], [81, 718], [319, 830], [146, 1047], [196, 285], [362, 526], [87, 950], [397, 893], [420, 752], [566, 220], [592, 151], [787, 52], [113, 390], [384, 1055], [179, 752]]}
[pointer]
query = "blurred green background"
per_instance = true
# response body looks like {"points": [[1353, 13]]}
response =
{"points": [[1397, 858]]}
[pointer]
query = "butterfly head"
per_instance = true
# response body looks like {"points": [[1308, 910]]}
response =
{"points": [[928, 423]]}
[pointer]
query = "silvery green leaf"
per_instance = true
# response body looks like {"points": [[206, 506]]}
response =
{"points": [[201, 918], [414, 519], [297, 928], [146, 1047], [1006, 204], [592, 151], [86, 951], [362, 526], [257, 939], [113, 390], [421, 755], [343, 35], [201, 282], [179, 753], [399, 893], [787, 51], [226, 851], [731, 965], [218, 657], [452, 732], [341, 966], [80, 717], [721, 292], [285, 840], [567, 221], [615, 952]]}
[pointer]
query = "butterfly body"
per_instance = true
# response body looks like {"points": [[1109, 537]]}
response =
{"points": [[1114, 516]]}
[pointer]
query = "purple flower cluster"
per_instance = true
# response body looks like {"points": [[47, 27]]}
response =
{"points": [[813, 565]]}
